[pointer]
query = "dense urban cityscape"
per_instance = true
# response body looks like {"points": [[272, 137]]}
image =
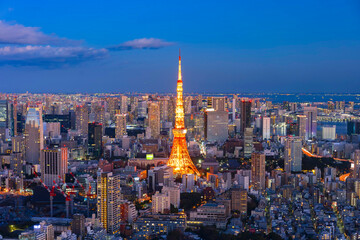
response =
{"points": [[166, 166], [179, 120]]}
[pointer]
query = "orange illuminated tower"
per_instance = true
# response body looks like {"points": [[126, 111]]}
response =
{"points": [[180, 159]]}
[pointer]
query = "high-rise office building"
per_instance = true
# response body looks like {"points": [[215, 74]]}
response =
{"points": [[53, 163], [301, 125], [353, 127], [52, 129], [266, 128], [234, 108], [248, 142], [34, 137], [329, 132], [123, 104], [14, 114], [239, 200], [63, 119], [99, 116], [120, 125], [174, 195], [340, 105], [17, 163], [293, 154], [245, 115], [18, 152], [154, 119], [7, 118], [113, 106], [356, 172], [78, 224], [82, 120], [109, 201], [141, 109], [164, 109], [219, 103], [216, 125], [311, 123], [160, 202], [187, 105], [3, 113], [95, 139], [258, 171]]}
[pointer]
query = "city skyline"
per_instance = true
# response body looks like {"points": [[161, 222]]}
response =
{"points": [[259, 47], [184, 120]]}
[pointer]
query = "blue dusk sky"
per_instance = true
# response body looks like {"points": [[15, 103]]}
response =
{"points": [[227, 46]]}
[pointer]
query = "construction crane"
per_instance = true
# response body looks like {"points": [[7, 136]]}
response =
{"points": [[51, 192], [87, 193], [67, 198], [71, 192]]}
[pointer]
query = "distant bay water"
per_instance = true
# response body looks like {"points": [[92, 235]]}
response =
{"points": [[296, 97]]}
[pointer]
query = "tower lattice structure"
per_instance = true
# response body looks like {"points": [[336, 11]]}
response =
{"points": [[180, 159]]}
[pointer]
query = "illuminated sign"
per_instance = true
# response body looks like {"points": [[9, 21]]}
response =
{"points": [[149, 156]]}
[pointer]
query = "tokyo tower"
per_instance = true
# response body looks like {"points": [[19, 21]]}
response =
{"points": [[180, 159]]}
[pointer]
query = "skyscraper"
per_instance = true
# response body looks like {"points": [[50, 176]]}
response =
{"points": [[216, 125], [108, 201], [293, 154], [160, 202], [174, 195], [95, 139], [329, 132], [154, 119], [54, 163], [301, 124], [239, 200], [4, 113], [99, 116], [164, 109], [113, 106], [248, 142], [245, 115], [78, 224], [311, 123], [14, 122], [34, 137], [234, 109], [266, 128], [120, 125], [180, 159], [218, 103], [356, 173], [82, 119], [258, 171], [7, 123], [18, 150], [123, 104]]}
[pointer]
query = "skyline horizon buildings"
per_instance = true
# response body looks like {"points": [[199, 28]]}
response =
{"points": [[306, 49], [259, 138]]}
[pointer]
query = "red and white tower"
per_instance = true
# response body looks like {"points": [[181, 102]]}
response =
{"points": [[180, 159]]}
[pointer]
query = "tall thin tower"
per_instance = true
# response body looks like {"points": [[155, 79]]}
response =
{"points": [[180, 159]]}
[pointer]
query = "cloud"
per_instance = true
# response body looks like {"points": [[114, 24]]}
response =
{"points": [[47, 55], [29, 46], [19, 34], [142, 43]]}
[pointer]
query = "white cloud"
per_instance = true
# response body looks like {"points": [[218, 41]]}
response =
{"points": [[42, 55], [19, 34], [142, 43]]}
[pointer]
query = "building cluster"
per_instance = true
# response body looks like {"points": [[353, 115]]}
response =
{"points": [[139, 166]]}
